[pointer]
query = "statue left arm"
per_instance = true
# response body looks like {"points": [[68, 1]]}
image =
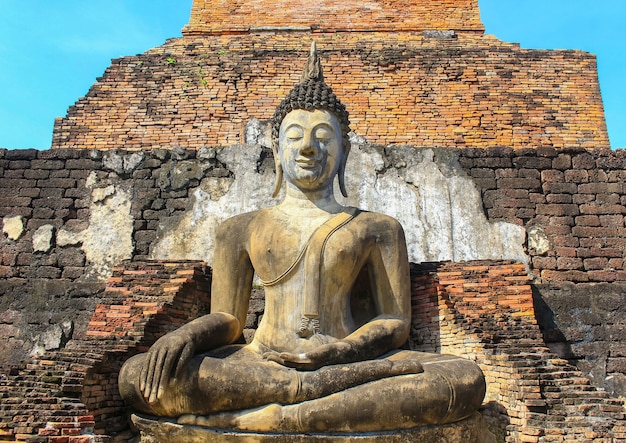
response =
{"points": [[389, 266]]}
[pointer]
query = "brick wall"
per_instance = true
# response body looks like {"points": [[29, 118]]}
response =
{"points": [[485, 311], [71, 395], [217, 17], [574, 198], [585, 323], [427, 90], [481, 310]]}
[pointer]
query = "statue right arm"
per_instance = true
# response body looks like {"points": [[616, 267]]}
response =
{"points": [[167, 357], [230, 295], [232, 270]]}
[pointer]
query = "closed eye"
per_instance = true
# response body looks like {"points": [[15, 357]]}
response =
{"points": [[293, 134], [323, 135]]}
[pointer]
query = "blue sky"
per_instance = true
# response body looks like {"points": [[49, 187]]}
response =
{"points": [[53, 51]]}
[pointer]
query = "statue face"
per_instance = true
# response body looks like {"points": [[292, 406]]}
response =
{"points": [[310, 148]]}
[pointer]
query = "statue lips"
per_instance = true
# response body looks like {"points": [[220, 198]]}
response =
{"points": [[310, 164], [312, 168]]}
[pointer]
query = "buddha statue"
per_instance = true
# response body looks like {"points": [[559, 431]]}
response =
{"points": [[328, 354]]}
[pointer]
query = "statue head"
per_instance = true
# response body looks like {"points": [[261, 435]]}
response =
{"points": [[312, 102]]}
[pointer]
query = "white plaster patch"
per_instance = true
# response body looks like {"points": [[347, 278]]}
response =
{"points": [[122, 163], [441, 212], [13, 227], [109, 237], [99, 194], [69, 238], [216, 199], [538, 240], [439, 207], [42, 238]]}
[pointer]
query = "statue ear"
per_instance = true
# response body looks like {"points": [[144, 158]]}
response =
{"points": [[279, 175], [341, 172]]}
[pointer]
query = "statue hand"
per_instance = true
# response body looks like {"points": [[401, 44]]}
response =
{"points": [[164, 361], [297, 361], [323, 355]]}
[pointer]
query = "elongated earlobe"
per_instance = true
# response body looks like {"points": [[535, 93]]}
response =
{"points": [[279, 178], [341, 172]]}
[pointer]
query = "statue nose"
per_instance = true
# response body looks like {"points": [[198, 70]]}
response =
{"points": [[309, 145]]}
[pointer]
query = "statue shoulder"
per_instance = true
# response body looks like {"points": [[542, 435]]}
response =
{"points": [[241, 224], [377, 221]]}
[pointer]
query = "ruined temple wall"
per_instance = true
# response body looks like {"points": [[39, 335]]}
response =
{"points": [[431, 89], [55, 203], [69, 216]]}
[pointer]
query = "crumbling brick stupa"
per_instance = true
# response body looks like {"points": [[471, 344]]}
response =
{"points": [[495, 158], [419, 73]]}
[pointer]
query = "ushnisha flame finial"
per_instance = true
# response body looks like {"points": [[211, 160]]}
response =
{"points": [[313, 67]]}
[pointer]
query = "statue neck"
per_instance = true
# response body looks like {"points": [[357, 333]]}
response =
{"points": [[298, 199]]}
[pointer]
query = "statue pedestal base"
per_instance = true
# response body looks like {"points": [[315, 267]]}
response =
{"points": [[470, 430]]}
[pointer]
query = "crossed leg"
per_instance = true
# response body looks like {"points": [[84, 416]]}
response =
{"points": [[449, 389], [237, 379]]}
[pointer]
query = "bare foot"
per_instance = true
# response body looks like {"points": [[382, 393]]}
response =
{"points": [[266, 418], [222, 420]]}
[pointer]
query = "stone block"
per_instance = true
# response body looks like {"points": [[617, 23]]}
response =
{"points": [[559, 198], [71, 257], [53, 203], [559, 188], [607, 199], [557, 209], [533, 162], [562, 162], [602, 209], [48, 164], [21, 154], [583, 161], [576, 176], [569, 263], [48, 272], [552, 176], [51, 193], [613, 221], [588, 220], [57, 183], [616, 364]]}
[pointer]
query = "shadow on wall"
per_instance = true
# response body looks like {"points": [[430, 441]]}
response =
{"points": [[586, 325]]}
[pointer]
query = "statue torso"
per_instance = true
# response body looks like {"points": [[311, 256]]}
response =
{"points": [[275, 240]]}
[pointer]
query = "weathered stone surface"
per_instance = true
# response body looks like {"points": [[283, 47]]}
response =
{"points": [[470, 430], [191, 236], [108, 238], [54, 337], [436, 202], [122, 164]]}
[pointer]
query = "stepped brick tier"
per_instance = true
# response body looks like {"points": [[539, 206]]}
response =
{"points": [[219, 17], [483, 310], [420, 73], [78, 384]]}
